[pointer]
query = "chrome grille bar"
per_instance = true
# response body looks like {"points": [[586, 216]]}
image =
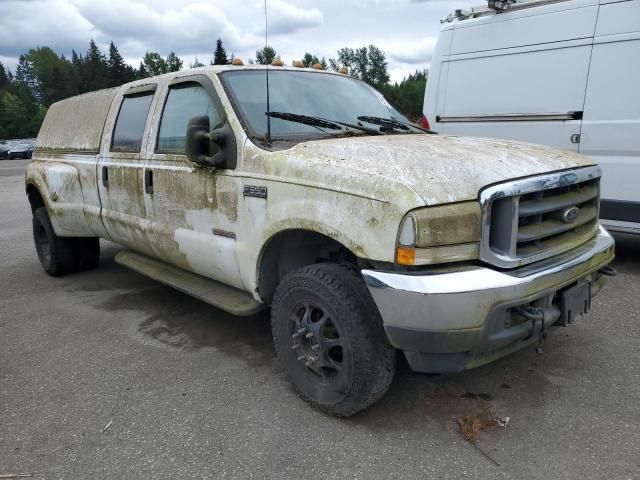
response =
{"points": [[537, 231], [549, 204], [538, 217]]}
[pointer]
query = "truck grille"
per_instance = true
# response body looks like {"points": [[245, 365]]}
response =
{"points": [[535, 218]]}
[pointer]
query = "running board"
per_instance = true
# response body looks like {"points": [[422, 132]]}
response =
{"points": [[224, 297]]}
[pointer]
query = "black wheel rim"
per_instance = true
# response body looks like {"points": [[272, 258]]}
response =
{"points": [[319, 344], [42, 245]]}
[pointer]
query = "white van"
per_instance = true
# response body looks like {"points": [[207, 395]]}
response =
{"points": [[560, 73]]}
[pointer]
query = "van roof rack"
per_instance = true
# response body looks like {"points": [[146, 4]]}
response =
{"points": [[496, 6]]}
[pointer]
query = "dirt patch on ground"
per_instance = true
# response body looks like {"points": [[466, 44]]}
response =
{"points": [[471, 426], [470, 410]]}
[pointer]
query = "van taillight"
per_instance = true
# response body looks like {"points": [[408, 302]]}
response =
{"points": [[425, 122]]}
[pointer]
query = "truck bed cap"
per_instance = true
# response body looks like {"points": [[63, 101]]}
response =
{"points": [[76, 123]]}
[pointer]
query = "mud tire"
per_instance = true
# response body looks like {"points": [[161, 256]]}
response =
{"points": [[368, 360], [57, 255], [88, 253]]}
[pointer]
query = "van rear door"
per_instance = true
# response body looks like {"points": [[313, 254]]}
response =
{"points": [[611, 125], [521, 75]]}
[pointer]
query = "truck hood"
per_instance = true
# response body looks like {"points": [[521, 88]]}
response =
{"points": [[438, 168]]}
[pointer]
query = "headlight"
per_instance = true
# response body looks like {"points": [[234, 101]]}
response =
{"points": [[447, 233], [407, 235]]}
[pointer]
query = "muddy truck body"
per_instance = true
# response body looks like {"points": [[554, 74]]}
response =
{"points": [[365, 234]]}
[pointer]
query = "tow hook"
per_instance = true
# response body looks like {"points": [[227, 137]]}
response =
{"points": [[541, 338], [535, 314], [609, 271]]}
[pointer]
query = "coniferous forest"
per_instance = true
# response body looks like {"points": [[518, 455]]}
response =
{"points": [[43, 77]]}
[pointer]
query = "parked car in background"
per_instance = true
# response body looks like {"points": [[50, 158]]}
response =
{"points": [[4, 152], [560, 73], [24, 150]]}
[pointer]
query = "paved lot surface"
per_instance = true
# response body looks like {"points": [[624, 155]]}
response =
{"points": [[195, 393], [9, 168]]}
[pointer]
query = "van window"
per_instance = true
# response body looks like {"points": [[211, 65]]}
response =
{"points": [[184, 101], [127, 136]]}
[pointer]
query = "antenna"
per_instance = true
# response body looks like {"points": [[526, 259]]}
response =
{"points": [[266, 44]]}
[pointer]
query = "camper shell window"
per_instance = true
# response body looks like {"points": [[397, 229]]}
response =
{"points": [[132, 118]]}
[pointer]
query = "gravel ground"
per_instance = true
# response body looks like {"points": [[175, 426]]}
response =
{"points": [[192, 392]]}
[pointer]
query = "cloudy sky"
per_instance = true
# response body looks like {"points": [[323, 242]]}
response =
{"points": [[405, 29]]}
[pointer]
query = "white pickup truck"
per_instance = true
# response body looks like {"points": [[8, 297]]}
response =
{"points": [[364, 233]]}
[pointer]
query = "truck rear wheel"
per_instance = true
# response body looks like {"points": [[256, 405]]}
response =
{"points": [[56, 254], [88, 253], [329, 338]]}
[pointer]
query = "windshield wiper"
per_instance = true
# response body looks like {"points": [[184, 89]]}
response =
{"points": [[391, 123], [305, 119], [320, 122]]}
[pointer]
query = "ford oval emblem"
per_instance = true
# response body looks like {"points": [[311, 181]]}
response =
{"points": [[569, 215]]}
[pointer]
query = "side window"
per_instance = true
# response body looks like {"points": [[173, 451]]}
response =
{"points": [[183, 102], [127, 135]]}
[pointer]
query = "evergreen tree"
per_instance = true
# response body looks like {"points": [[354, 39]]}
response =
{"points": [[309, 60], [25, 81], [154, 64], [22, 70], [378, 73], [408, 95], [20, 114], [220, 54], [118, 72], [53, 76], [196, 64], [265, 55], [131, 74], [13, 116], [142, 72], [76, 59], [4, 79], [94, 70], [173, 62], [369, 64]]}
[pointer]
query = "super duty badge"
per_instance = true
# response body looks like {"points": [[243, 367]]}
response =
{"points": [[255, 191]]}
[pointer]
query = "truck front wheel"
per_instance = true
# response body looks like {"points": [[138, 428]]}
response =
{"points": [[329, 338]]}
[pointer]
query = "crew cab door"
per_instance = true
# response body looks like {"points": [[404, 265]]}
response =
{"points": [[192, 210], [120, 165]]}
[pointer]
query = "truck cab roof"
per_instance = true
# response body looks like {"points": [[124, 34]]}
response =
{"points": [[76, 123]]}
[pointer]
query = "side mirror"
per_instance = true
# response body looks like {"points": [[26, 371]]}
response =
{"points": [[216, 148]]}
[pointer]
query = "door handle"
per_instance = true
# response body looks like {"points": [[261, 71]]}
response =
{"points": [[105, 177], [148, 181]]}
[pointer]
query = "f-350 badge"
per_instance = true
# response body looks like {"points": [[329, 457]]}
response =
{"points": [[255, 191]]}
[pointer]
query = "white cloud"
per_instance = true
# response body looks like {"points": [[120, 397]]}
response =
{"points": [[412, 52], [404, 29], [183, 28], [285, 18], [55, 23]]}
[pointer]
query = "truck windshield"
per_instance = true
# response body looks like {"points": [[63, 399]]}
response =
{"points": [[310, 105]]}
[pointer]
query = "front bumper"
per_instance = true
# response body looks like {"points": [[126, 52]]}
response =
{"points": [[459, 318]]}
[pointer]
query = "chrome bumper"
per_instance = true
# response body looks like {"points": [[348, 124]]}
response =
{"points": [[462, 311]]}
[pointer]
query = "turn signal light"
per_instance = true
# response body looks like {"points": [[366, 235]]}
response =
{"points": [[425, 122], [406, 256]]}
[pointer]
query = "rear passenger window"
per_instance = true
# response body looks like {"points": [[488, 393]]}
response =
{"points": [[184, 101], [127, 136]]}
